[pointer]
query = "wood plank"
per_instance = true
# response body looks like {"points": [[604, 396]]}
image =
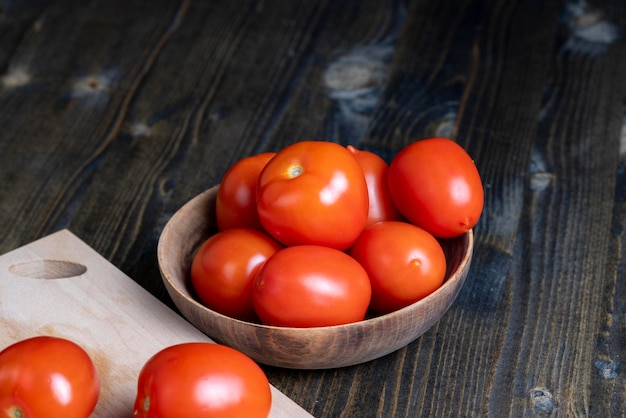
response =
{"points": [[607, 382], [574, 192], [59, 286], [60, 121]]}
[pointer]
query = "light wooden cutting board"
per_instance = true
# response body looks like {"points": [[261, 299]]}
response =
{"points": [[60, 286]]}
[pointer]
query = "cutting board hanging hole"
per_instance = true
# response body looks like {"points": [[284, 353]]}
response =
{"points": [[47, 269]]}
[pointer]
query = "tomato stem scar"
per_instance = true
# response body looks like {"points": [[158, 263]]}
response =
{"points": [[295, 171], [16, 412]]}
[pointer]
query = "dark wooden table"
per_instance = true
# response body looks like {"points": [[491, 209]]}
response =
{"points": [[115, 113]]}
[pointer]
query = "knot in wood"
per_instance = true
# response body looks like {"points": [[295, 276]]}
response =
{"points": [[590, 32], [16, 77], [607, 369], [91, 85], [542, 400], [359, 72]]}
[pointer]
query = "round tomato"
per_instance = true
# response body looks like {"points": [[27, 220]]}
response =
{"points": [[404, 263], [311, 286], [436, 186], [224, 267], [375, 170], [47, 376], [202, 380], [313, 192], [235, 205]]}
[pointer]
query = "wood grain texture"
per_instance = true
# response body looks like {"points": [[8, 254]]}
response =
{"points": [[115, 113]]}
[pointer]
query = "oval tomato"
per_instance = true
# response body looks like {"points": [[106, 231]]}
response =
{"points": [[311, 286], [404, 263], [375, 170], [47, 376], [202, 380], [224, 267], [436, 186], [313, 192], [235, 206]]}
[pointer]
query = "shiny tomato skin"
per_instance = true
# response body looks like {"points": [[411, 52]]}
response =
{"points": [[375, 169], [199, 379], [235, 205], [313, 193], [224, 267], [435, 184], [47, 376], [311, 286], [404, 263]]}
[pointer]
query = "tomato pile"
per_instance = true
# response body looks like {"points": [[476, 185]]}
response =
{"points": [[51, 377], [318, 234]]}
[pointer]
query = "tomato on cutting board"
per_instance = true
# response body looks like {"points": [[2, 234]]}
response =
{"points": [[47, 376], [202, 380]]}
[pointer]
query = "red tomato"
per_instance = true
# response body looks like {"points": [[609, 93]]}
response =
{"points": [[47, 377], [202, 380], [235, 206], [404, 263], [224, 267], [313, 192], [375, 170], [311, 286], [436, 186]]}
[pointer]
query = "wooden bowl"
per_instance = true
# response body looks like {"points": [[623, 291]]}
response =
{"points": [[300, 348]]}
